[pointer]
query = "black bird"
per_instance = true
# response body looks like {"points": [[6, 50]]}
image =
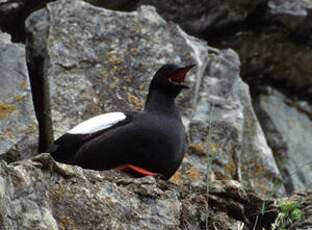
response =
{"points": [[150, 142]]}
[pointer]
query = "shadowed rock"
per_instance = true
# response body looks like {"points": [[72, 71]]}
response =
{"points": [[18, 126]]}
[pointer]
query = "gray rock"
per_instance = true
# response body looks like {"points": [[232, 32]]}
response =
{"points": [[108, 66], [235, 137], [42, 194], [18, 126], [289, 132], [277, 55], [290, 7], [14, 13]]}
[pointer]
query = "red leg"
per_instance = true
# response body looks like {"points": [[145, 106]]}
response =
{"points": [[136, 169]]}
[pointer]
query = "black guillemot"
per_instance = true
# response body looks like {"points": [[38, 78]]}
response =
{"points": [[148, 142]]}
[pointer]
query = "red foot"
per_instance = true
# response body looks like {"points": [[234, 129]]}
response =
{"points": [[135, 168]]}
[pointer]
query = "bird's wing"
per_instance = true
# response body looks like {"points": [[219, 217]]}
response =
{"points": [[98, 123], [65, 147]]}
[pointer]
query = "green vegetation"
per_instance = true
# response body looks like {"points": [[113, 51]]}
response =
{"points": [[289, 212]]}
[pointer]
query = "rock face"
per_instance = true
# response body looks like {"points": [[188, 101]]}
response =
{"points": [[93, 71], [84, 60], [273, 43], [289, 130], [18, 126], [271, 37], [235, 136], [14, 13], [42, 194]]}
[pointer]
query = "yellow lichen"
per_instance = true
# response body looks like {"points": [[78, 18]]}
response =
{"points": [[109, 199], [189, 110], [221, 176], [58, 193], [89, 203], [137, 27], [213, 145], [28, 128], [230, 167], [18, 97], [193, 173], [133, 99], [17, 149], [5, 109], [114, 69], [65, 222], [127, 78], [197, 147], [261, 187], [176, 178], [258, 171], [142, 85], [114, 84], [113, 57], [2, 138], [10, 134], [134, 50], [23, 83], [24, 130]]}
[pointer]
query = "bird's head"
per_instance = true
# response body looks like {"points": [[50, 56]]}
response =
{"points": [[170, 79]]}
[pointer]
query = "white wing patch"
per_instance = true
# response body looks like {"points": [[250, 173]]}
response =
{"points": [[97, 123]]}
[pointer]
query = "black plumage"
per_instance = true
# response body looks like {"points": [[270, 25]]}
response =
{"points": [[151, 140]]}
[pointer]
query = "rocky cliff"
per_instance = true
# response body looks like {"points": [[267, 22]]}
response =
{"points": [[80, 60]]}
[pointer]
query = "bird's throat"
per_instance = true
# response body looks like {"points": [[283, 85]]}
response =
{"points": [[160, 102]]}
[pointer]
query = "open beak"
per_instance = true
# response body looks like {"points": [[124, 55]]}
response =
{"points": [[179, 75]]}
